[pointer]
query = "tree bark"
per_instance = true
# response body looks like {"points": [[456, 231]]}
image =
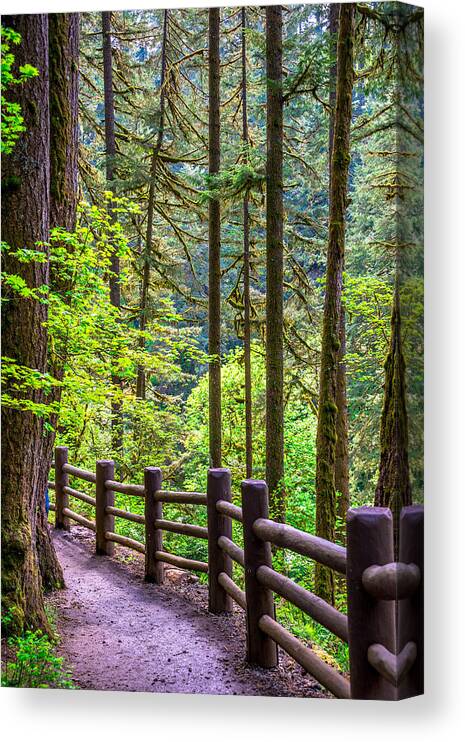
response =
{"points": [[246, 269], [341, 466], [64, 128], [214, 242], [25, 222], [393, 489], [64, 194], [114, 282], [274, 266], [141, 379], [330, 344]]}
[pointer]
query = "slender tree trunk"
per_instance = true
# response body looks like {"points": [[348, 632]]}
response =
{"points": [[393, 489], [115, 286], [274, 266], [214, 241], [141, 379], [246, 268], [25, 222], [341, 466], [64, 194], [330, 344]]}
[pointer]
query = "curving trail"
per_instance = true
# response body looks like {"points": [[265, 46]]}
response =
{"points": [[119, 633]]}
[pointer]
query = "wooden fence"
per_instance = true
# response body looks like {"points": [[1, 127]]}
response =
{"points": [[384, 623]]}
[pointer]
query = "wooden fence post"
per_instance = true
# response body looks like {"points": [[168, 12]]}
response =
{"points": [[154, 569], [371, 621], [261, 649], [61, 480], [103, 497], [411, 619], [218, 488]]}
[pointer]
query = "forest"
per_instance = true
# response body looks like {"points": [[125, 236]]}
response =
{"points": [[212, 257]]}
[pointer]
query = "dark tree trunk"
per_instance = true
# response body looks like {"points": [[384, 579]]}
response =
{"points": [[25, 221], [141, 380], [274, 266], [393, 489], [330, 344], [64, 194], [214, 241], [246, 268], [115, 286], [341, 466], [64, 129]]}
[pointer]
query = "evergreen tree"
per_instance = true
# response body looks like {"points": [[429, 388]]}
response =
{"points": [[274, 266], [25, 223], [214, 240], [330, 343]]}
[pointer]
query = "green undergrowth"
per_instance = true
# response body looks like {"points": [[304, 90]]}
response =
{"points": [[31, 659]]}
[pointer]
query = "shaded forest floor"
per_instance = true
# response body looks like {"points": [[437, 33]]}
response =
{"points": [[119, 633]]}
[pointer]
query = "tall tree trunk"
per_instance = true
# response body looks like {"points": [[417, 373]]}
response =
{"points": [[141, 380], [64, 194], [393, 489], [115, 287], [330, 344], [25, 222], [246, 268], [214, 241], [341, 466], [64, 126], [274, 266]]}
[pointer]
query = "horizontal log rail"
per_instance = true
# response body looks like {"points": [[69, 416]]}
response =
{"points": [[51, 485], [79, 519], [130, 543], [307, 658], [74, 471], [181, 562], [126, 514], [233, 590], [325, 552], [52, 507], [137, 490], [227, 508], [232, 549], [184, 529], [183, 498], [79, 495], [311, 604], [393, 581]]}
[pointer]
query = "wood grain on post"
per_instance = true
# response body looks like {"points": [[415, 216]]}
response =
{"points": [[61, 481], [154, 568], [261, 649], [371, 621], [103, 498], [411, 617], [218, 488]]}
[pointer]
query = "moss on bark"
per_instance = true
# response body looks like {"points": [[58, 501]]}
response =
{"points": [[330, 342]]}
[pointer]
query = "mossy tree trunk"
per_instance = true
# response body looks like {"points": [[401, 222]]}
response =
{"points": [[64, 195], [341, 466], [246, 267], [274, 266], [25, 222], [114, 282], [330, 343], [141, 386], [393, 489], [214, 241]]}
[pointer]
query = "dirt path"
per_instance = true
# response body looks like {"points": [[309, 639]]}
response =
{"points": [[119, 633]]}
